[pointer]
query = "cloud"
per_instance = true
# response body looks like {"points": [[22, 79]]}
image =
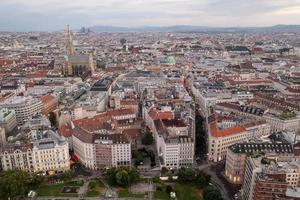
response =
{"points": [[55, 14]]}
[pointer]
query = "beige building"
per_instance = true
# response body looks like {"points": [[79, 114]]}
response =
{"points": [[220, 140], [51, 153], [278, 124], [17, 157]]}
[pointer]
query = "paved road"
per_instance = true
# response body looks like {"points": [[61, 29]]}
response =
{"points": [[83, 189]]}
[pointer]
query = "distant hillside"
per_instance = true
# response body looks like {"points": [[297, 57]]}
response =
{"points": [[179, 28]]}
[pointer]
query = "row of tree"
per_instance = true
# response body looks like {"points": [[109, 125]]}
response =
{"points": [[123, 176]]}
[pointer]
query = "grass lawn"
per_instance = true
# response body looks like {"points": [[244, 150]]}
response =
{"points": [[50, 190], [55, 189], [95, 188], [124, 192], [183, 192], [187, 192], [159, 194]]}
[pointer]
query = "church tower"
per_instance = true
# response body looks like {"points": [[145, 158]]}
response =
{"points": [[69, 46]]}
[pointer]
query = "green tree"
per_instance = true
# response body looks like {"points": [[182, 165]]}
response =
{"points": [[134, 175], [210, 193], [13, 184], [202, 179], [186, 175], [111, 176], [138, 157], [36, 180], [52, 119], [122, 178], [148, 139]]}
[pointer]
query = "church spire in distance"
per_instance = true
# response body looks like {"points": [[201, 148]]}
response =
{"points": [[69, 47]]}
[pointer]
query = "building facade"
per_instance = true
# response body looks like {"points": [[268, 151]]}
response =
{"points": [[24, 107], [101, 149], [48, 154], [8, 119]]}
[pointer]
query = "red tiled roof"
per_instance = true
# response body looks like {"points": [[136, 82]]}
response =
{"points": [[225, 132], [132, 133], [128, 102], [47, 98], [65, 131], [100, 121], [160, 115]]}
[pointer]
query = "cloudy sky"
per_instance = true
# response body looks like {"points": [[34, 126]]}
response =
{"points": [[25, 15]]}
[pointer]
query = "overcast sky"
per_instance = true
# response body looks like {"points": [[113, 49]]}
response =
{"points": [[25, 15]]}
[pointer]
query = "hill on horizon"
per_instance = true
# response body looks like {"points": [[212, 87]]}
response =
{"points": [[187, 28]]}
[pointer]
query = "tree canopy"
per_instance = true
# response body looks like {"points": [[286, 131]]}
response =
{"points": [[148, 139], [13, 183], [188, 175], [122, 176], [210, 193]]}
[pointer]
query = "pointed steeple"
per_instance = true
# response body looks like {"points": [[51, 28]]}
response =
{"points": [[69, 46]]}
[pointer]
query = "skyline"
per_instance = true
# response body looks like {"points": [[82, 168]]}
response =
{"points": [[53, 15]]}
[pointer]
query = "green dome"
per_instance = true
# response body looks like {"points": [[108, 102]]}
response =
{"points": [[169, 60]]}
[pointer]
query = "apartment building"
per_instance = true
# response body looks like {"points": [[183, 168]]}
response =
{"points": [[17, 157], [47, 154], [101, 149], [175, 150], [268, 178], [237, 155], [207, 95], [51, 153]]}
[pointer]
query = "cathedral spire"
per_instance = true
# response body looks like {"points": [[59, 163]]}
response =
{"points": [[69, 47]]}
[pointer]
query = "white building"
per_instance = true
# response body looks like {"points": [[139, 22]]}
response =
{"points": [[24, 107], [206, 98], [51, 153], [175, 150]]}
